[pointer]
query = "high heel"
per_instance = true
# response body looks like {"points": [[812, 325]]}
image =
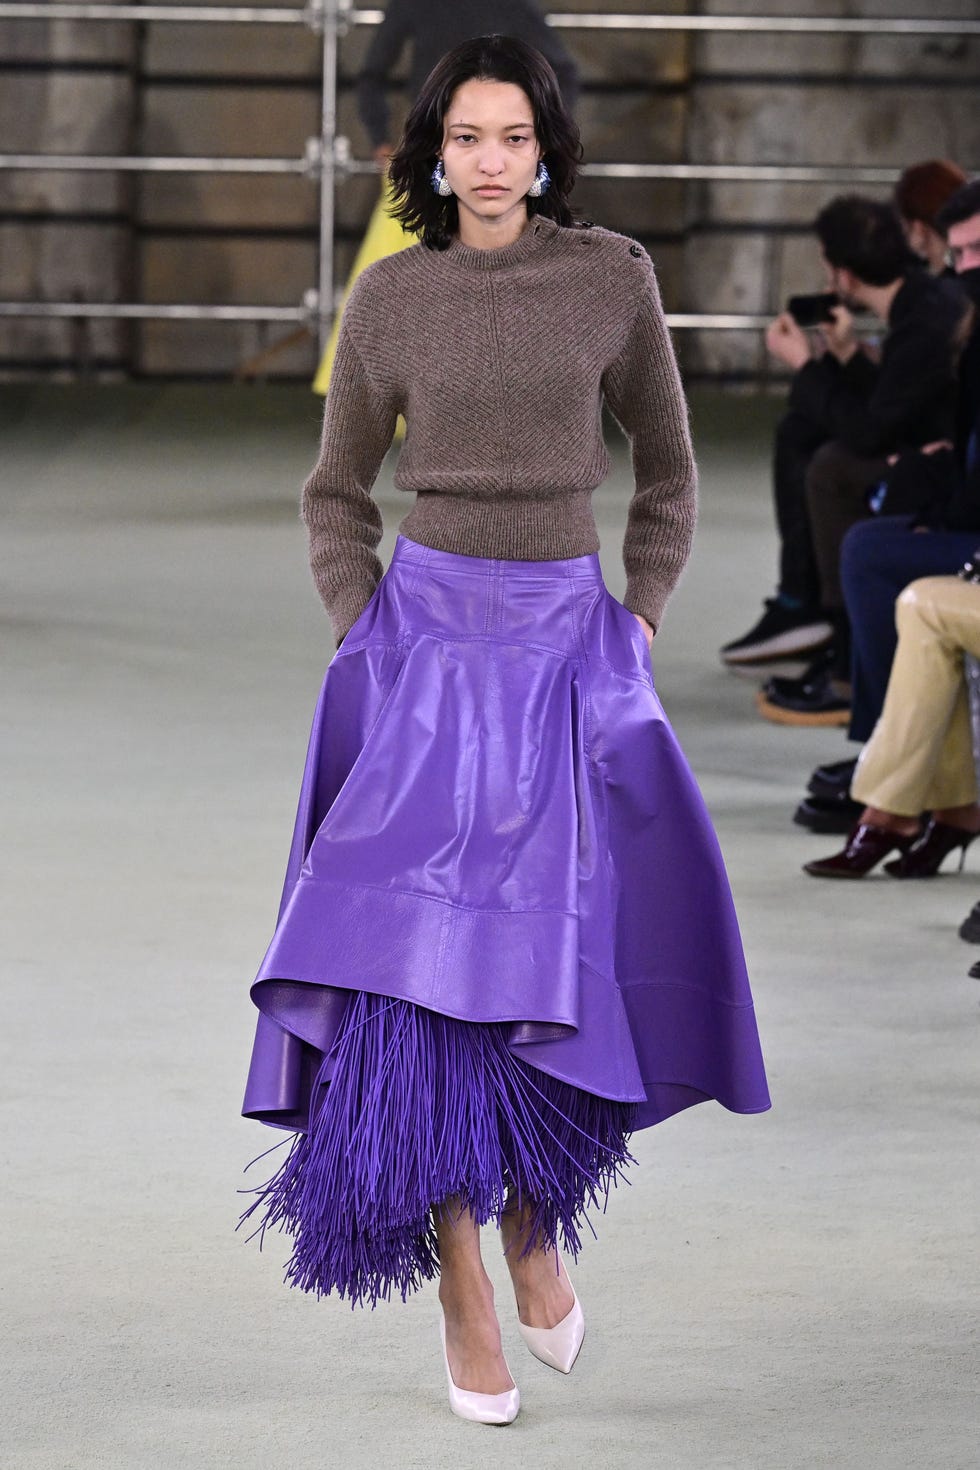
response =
{"points": [[557, 1346], [479, 1408], [865, 848], [927, 853]]}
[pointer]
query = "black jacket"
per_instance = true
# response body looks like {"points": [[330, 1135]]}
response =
{"points": [[435, 27], [961, 511], [908, 398]]}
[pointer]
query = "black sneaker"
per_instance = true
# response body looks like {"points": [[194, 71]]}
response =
{"points": [[781, 632]]}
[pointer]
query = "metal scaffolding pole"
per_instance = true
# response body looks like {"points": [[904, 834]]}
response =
{"points": [[739, 173], [334, 164], [327, 158], [148, 164], [740, 24], [181, 14], [111, 311], [304, 315], [328, 176], [314, 14]]}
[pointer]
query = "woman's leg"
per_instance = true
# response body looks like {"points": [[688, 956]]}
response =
{"points": [[920, 756], [476, 1359], [879, 559], [541, 1285]]}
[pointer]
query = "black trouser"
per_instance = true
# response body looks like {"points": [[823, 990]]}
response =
{"points": [[837, 485], [797, 440]]}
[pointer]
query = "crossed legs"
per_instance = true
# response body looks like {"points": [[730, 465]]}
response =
{"points": [[920, 756]]}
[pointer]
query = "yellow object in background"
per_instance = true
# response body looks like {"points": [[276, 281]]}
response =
{"points": [[383, 236]]}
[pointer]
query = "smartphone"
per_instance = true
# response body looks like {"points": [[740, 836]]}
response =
{"points": [[810, 311]]}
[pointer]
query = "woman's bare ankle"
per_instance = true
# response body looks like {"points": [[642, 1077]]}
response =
{"points": [[476, 1357], [541, 1284], [466, 1292]]}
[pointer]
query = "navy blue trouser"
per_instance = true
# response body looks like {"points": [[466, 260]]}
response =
{"points": [[879, 558]]}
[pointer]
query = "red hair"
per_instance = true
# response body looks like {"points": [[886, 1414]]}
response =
{"points": [[924, 188]]}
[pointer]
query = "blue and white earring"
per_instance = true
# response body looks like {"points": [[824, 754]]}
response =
{"points": [[440, 183], [541, 181]]}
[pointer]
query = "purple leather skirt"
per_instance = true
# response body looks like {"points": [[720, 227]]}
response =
{"points": [[506, 937]]}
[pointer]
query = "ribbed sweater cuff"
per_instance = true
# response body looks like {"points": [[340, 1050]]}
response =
{"points": [[643, 596], [649, 587], [346, 601]]}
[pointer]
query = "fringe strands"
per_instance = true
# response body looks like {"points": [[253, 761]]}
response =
{"points": [[423, 1108]]}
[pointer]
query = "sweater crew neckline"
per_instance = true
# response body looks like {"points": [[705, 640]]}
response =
{"points": [[539, 230]]}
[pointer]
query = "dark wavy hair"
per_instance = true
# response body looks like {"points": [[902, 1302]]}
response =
{"points": [[866, 238], [487, 58], [962, 205]]}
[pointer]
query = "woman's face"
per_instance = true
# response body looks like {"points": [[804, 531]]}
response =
{"points": [[489, 149]]}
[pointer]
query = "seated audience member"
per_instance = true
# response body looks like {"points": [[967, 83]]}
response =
{"points": [[882, 556], [919, 195], [847, 413], [920, 755]]}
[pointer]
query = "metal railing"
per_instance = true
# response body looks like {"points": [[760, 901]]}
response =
{"points": [[315, 14], [311, 15], [303, 315], [162, 311], [327, 159]]}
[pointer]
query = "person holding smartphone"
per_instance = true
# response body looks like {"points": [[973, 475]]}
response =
{"points": [[848, 411]]}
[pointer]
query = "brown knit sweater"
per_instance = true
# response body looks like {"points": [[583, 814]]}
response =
{"points": [[499, 360]]}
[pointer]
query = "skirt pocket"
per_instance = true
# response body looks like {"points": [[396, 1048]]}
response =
{"points": [[625, 643]]}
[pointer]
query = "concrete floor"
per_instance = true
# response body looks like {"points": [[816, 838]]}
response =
{"points": [[791, 1290]]}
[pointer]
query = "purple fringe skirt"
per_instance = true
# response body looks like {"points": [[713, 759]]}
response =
{"points": [[506, 936]]}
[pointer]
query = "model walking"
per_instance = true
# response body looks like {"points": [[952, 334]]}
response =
{"points": [[506, 937]]}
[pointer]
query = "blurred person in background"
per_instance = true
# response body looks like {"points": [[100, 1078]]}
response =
{"points": [[928, 529], [847, 413], [433, 27], [919, 195]]}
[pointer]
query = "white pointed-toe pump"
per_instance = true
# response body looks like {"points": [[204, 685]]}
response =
{"points": [[479, 1408], [557, 1346]]}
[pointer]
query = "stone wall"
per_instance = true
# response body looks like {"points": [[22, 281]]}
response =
{"points": [[200, 89], [647, 97], [811, 99], [65, 88], [238, 240]]}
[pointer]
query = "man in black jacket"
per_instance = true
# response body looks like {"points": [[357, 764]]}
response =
{"points": [[938, 531], [434, 27], [847, 414]]}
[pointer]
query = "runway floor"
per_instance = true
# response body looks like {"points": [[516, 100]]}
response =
{"points": [[797, 1289]]}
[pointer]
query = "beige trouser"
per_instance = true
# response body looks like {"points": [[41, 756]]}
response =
{"points": [[920, 755]]}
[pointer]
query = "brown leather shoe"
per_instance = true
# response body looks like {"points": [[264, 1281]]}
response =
{"points": [[865, 848]]}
